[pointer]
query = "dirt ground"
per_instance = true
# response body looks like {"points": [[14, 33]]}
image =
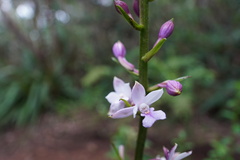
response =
{"points": [[85, 136]]}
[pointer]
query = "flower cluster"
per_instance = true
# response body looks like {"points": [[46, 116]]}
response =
{"points": [[126, 101]]}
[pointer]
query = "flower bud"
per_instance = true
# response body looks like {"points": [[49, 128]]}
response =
{"points": [[119, 52], [166, 29], [123, 5], [136, 7], [119, 49], [173, 87]]}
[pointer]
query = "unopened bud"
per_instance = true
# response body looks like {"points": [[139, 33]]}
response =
{"points": [[123, 5], [119, 49], [173, 87], [166, 29], [119, 52], [136, 7]]}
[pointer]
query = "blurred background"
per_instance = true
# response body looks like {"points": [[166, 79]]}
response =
{"points": [[56, 69]]}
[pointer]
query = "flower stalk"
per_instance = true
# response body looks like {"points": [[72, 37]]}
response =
{"points": [[129, 19], [143, 72]]}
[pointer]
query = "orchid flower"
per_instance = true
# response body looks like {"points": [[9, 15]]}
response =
{"points": [[122, 90], [142, 102], [172, 155]]}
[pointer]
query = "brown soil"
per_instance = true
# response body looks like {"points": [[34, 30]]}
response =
{"points": [[85, 136]]}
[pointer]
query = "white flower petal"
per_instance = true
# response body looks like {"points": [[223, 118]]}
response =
{"points": [[122, 113], [117, 84], [182, 155], [148, 121], [113, 97], [153, 96], [172, 152], [158, 115], [122, 88], [135, 110], [138, 93], [114, 107]]}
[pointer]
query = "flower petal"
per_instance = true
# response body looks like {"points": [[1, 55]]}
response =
{"points": [[114, 107], [148, 121], [166, 152], [122, 113], [138, 93], [158, 115], [121, 87], [153, 96], [172, 152], [182, 155], [135, 110], [113, 97]]}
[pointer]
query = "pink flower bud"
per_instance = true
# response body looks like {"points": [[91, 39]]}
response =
{"points": [[119, 49], [119, 52], [123, 5], [136, 7], [173, 87], [166, 29]]}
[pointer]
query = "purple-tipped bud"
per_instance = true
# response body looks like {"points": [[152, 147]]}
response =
{"points": [[173, 87], [123, 5], [136, 7], [119, 49], [166, 29], [119, 52]]}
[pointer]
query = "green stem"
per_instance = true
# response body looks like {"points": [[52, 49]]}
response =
{"points": [[143, 73]]}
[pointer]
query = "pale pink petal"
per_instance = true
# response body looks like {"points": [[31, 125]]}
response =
{"points": [[122, 113], [158, 115], [138, 93], [121, 150], [172, 152], [148, 121], [121, 87], [114, 107], [113, 97], [135, 110], [151, 117], [153, 96], [182, 155]]}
